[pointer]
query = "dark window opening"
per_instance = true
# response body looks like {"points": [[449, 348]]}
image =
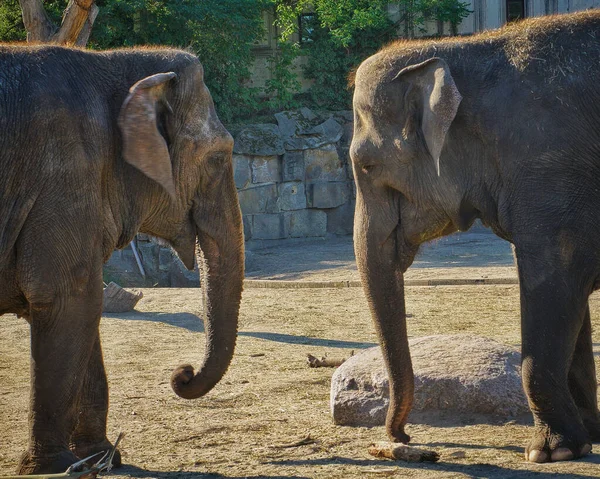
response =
{"points": [[515, 10], [306, 27]]}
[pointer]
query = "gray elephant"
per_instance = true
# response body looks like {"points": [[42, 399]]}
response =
{"points": [[502, 126], [95, 147]]}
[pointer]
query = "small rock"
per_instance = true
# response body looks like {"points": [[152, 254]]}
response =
{"points": [[119, 300]]}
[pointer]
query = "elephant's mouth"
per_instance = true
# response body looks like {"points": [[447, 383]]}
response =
{"points": [[185, 245]]}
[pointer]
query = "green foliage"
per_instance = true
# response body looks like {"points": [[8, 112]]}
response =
{"points": [[332, 57], [343, 33], [220, 32], [283, 84], [11, 21], [451, 11]]}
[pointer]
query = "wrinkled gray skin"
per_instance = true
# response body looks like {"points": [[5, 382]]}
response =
{"points": [[511, 119], [95, 147]]}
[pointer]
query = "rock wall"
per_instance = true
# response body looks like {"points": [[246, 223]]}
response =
{"points": [[293, 178]]}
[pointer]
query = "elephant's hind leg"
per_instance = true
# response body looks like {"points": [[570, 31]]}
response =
{"points": [[582, 379], [89, 436]]}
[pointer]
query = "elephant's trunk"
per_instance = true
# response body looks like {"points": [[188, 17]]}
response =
{"points": [[221, 259], [381, 262]]}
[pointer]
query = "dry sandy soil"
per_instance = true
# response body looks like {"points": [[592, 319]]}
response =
{"points": [[270, 399]]}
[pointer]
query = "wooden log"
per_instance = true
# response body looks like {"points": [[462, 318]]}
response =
{"points": [[325, 362], [119, 300], [402, 452]]}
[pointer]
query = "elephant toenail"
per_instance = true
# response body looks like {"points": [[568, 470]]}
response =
{"points": [[562, 454], [585, 450], [537, 456]]}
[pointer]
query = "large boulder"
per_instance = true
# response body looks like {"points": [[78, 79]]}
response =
{"points": [[452, 372]]}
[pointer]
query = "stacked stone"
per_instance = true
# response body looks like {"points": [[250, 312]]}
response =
{"points": [[293, 178]]}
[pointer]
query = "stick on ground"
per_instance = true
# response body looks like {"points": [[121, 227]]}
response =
{"points": [[402, 452]]}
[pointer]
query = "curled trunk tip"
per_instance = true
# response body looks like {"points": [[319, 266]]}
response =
{"points": [[188, 385]]}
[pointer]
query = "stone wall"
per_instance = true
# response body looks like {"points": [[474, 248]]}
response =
{"points": [[293, 177]]}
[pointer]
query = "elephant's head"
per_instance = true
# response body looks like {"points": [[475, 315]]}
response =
{"points": [[171, 134], [401, 122]]}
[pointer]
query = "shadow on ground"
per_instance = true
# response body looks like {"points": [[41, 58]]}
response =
{"points": [[134, 471], [194, 323], [472, 470]]}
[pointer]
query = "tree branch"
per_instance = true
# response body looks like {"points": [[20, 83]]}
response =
{"points": [[75, 17], [37, 23], [84, 36]]}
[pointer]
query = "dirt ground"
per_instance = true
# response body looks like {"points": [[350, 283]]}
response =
{"points": [[270, 399]]}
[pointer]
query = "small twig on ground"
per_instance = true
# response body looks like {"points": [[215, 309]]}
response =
{"points": [[257, 355], [80, 470], [302, 442], [325, 362], [402, 452]]}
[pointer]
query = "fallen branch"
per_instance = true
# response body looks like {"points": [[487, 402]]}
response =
{"points": [[79, 470], [302, 442], [325, 362], [402, 452]]}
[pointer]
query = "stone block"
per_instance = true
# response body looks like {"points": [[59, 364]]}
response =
{"points": [[304, 223], [340, 220], [269, 227], [241, 171], [328, 195], [452, 372], [266, 169], [348, 132], [181, 277], [258, 199], [323, 164], [247, 222], [293, 166], [295, 122], [326, 133], [259, 140], [292, 196]]}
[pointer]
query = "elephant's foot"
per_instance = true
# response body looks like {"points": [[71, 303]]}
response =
{"points": [[548, 445], [85, 449], [591, 421], [50, 464], [397, 434]]}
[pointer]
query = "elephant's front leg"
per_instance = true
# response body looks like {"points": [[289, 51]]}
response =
{"points": [[582, 379], [62, 337], [89, 436], [552, 313]]}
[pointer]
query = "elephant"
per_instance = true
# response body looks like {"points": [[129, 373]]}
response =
{"points": [[501, 127], [95, 147]]}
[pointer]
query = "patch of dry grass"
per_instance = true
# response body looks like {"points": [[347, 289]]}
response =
{"points": [[270, 397]]}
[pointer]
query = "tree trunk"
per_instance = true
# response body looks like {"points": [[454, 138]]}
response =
{"points": [[77, 21]]}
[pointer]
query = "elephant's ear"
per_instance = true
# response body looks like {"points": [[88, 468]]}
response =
{"points": [[439, 99], [143, 145]]}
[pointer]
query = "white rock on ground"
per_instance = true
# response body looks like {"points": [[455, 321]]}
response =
{"points": [[452, 372]]}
